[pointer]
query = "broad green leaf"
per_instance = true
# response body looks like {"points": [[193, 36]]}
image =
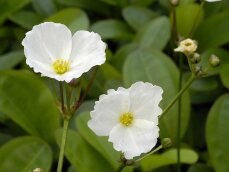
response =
{"points": [[74, 18], [200, 168], [8, 61], [25, 154], [214, 31], [28, 102], [101, 144], [155, 34], [113, 29], [81, 155], [121, 54], [4, 138], [26, 19], [169, 157], [188, 18], [132, 14], [224, 75], [142, 2], [94, 5], [9, 6], [157, 68], [217, 134], [205, 90], [46, 7], [221, 53]]}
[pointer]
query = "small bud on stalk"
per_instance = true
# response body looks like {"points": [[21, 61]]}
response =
{"points": [[195, 58], [166, 143], [214, 61], [174, 2]]}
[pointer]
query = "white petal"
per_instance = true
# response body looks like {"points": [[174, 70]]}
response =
{"points": [[212, 0], [134, 140], [145, 99], [88, 50], [44, 44], [107, 112]]}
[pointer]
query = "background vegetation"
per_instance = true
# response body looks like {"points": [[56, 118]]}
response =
{"points": [[140, 47]]}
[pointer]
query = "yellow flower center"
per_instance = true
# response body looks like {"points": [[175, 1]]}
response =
{"points": [[126, 119], [61, 66]]}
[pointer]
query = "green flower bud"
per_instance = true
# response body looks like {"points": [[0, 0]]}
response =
{"points": [[195, 58], [37, 170], [166, 143], [174, 2], [214, 61]]}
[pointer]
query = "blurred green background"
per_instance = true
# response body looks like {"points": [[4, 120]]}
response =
{"points": [[140, 47]]}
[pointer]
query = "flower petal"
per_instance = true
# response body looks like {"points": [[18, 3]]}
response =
{"points": [[44, 44], [88, 50], [107, 111], [145, 99], [136, 139]]}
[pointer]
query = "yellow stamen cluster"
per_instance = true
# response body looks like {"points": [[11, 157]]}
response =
{"points": [[126, 119], [61, 66]]}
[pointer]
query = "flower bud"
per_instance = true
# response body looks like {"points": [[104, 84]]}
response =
{"points": [[174, 2], [187, 46], [166, 143], [37, 170], [214, 61], [195, 58]]}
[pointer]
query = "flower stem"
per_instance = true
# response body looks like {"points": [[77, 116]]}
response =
{"points": [[63, 141], [61, 96], [196, 19], [179, 116], [184, 88], [150, 153]]}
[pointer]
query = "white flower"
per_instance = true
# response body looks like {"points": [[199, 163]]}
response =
{"points": [[51, 50], [129, 117], [187, 46], [212, 0]]}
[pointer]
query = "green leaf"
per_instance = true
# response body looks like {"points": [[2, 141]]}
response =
{"points": [[26, 19], [132, 14], [74, 18], [224, 75], [113, 29], [205, 90], [101, 144], [81, 155], [7, 7], [169, 157], [28, 102], [214, 31], [157, 68], [200, 168], [121, 54], [142, 2], [46, 7], [8, 61], [25, 154], [217, 134], [98, 6], [187, 20], [155, 34]]}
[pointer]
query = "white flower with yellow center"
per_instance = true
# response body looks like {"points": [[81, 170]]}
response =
{"points": [[129, 117], [187, 46], [51, 50]]}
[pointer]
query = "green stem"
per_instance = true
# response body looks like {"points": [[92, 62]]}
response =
{"points": [[184, 88], [179, 116], [63, 141], [196, 19], [150, 153], [61, 96]]}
